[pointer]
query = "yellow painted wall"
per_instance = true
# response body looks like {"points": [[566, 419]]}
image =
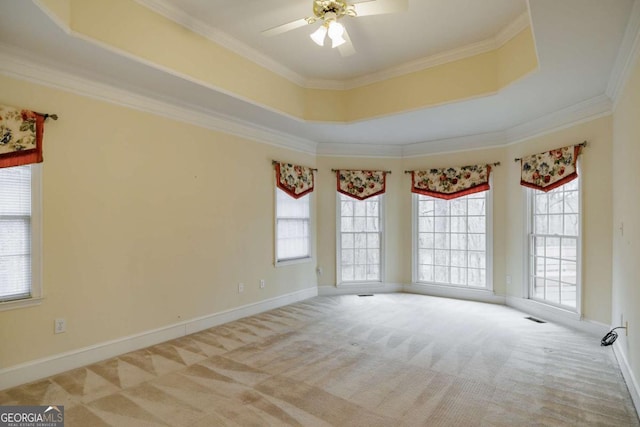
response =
{"points": [[626, 211], [596, 173], [147, 222], [134, 30]]}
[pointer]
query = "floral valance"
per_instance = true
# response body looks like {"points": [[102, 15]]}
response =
{"points": [[20, 136], [295, 180], [450, 183], [549, 170], [361, 184]]}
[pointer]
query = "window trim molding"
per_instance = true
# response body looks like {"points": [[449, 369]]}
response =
{"points": [[382, 217], [528, 213], [488, 248], [291, 261], [36, 296]]}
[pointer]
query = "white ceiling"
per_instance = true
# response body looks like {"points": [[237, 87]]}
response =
{"points": [[429, 27], [578, 42]]}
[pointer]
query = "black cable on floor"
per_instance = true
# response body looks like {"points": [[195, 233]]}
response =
{"points": [[611, 336]]}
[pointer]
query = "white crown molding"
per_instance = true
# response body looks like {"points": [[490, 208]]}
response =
{"points": [[170, 11], [452, 145], [628, 55], [42, 368], [590, 109], [26, 68], [359, 150]]}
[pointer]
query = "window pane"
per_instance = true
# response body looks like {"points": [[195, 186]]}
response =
{"points": [[452, 240], [360, 230], [555, 264], [292, 227], [425, 273], [15, 233]]}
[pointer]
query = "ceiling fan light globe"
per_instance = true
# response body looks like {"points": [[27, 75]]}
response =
{"points": [[318, 36], [336, 30], [337, 41]]}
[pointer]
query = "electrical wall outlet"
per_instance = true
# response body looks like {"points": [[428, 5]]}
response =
{"points": [[263, 283], [240, 288], [508, 279], [626, 328], [319, 271], [59, 326]]}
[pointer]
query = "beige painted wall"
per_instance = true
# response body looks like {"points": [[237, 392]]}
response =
{"points": [[626, 209], [596, 212], [147, 222], [143, 228]]}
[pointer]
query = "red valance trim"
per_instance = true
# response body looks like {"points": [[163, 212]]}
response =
{"points": [[346, 193], [291, 191], [26, 157], [553, 186], [450, 196]]}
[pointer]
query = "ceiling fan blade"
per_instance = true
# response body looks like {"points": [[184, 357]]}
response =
{"points": [[285, 27], [346, 49], [381, 7]]}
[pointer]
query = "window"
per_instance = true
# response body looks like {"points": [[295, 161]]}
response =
{"points": [[554, 245], [359, 239], [19, 234], [293, 241], [452, 241]]}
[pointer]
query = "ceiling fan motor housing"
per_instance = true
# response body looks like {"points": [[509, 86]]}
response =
{"points": [[335, 8]]}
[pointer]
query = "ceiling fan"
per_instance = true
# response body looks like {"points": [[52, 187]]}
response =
{"points": [[329, 12]]}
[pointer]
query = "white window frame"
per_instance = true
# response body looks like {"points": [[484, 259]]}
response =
{"points": [[488, 246], [36, 245], [381, 217], [528, 252], [289, 261]]}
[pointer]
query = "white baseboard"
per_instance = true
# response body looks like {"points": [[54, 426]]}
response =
{"points": [[457, 293], [45, 367], [558, 315], [360, 288], [627, 373]]}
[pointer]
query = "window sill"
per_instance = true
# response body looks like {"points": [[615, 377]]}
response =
{"points": [[457, 292], [21, 303], [294, 261], [362, 283]]}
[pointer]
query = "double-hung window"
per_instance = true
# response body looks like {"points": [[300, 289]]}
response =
{"points": [[554, 245], [19, 235], [360, 239], [293, 230], [452, 240]]}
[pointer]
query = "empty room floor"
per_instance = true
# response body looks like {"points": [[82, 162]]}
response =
{"points": [[383, 360]]}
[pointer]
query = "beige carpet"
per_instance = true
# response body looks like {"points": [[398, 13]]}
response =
{"points": [[386, 360]]}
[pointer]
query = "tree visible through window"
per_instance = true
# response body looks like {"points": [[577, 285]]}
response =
{"points": [[360, 239], [554, 239], [452, 240]]}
